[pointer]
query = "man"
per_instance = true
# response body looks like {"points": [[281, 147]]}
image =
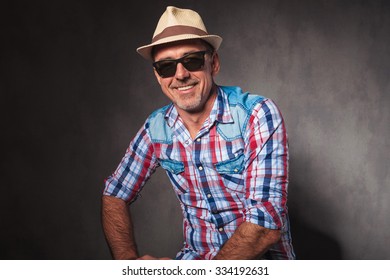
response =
{"points": [[224, 151]]}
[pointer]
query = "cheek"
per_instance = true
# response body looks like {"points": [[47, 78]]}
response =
{"points": [[165, 89], [207, 81], [164, 84]]}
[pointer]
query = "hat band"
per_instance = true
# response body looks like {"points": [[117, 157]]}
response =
{"points": [[178, 30]]}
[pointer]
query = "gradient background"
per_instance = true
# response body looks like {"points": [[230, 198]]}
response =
{"points": [[74, 92]]}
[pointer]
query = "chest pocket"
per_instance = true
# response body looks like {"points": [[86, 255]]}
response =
{"points": [[173, 169], [231, 172]]}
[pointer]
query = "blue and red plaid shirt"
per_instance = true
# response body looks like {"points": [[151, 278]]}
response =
{"points": [[234, 171]]}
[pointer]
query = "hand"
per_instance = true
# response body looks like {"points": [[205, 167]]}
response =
{"points": [[149, 257]]}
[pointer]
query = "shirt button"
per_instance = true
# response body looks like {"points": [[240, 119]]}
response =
{"points": [[187, 142], [220, 229], [200, 168], [208, 195], [236, 170], [198, 140]]}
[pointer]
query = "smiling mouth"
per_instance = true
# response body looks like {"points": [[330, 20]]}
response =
{"points": [[185, 87]]}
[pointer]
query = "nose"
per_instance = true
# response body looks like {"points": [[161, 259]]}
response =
{"points": [[181, 72]]}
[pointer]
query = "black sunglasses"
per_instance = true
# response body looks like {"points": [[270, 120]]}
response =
{"points": [[192, 62]]}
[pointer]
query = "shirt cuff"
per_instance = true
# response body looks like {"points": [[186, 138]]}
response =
{"points": [[263, 214], [116, 189]]}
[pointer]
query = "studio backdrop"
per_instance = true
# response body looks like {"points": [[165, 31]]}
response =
{"points": [[74, 92]]}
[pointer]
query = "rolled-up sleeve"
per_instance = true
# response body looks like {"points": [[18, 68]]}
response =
{"points": [[266, 175], [135, 168]]}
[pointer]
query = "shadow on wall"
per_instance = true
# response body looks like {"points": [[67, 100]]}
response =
{"points": [[310, 218], [311, 244]]}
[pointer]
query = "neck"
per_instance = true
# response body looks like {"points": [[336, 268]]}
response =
{"points": [[193, 121]]}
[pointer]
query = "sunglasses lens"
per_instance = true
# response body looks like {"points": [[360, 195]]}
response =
{"points": [[166, 68], [192, 62]]}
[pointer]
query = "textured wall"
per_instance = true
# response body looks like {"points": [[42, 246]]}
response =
{"points": [[74, 92]]}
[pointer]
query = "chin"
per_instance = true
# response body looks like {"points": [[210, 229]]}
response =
{"points": [[191, 107]]}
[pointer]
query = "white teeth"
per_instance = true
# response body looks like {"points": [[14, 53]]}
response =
{"points": [[185, 88]]}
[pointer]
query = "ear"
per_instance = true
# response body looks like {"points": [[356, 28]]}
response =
{"points": [[215, 65], [157, 76]]}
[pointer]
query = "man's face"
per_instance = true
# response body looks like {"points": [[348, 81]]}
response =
{"points": [[189, 91]]}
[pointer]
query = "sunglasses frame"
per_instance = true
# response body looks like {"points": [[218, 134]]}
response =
{"points": [[177, 61]]}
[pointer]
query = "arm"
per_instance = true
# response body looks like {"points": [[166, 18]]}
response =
{"points": [[266, 186], [118, 228], [249, 241], [122, 188]]}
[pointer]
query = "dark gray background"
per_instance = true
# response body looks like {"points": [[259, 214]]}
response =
{"points": [[74, 92]]}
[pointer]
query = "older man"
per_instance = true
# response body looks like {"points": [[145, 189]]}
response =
{"points": [[224, 151]]}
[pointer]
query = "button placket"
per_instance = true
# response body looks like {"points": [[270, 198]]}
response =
{"points": [[196, 147], [209, 197]]}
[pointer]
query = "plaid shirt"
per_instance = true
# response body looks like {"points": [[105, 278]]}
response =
{"points": [[220, 182]]}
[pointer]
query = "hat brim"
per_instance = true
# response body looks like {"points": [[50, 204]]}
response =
{"points": [[146, 51]]}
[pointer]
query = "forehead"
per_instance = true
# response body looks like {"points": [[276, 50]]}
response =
{"points": [[177, 49]]}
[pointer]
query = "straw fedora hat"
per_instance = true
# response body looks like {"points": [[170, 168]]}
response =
{"points": [[178, 24]]}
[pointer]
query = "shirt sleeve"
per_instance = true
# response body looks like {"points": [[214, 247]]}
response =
{"points": [[135, 168], [266, 175]]}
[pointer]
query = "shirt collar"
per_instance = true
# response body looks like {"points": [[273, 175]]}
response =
{"points": [[220, 111], [171, 115], [223, 114]]}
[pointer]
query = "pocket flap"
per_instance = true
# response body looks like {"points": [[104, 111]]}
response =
{"points": [[172, 166], [231, 166]]}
